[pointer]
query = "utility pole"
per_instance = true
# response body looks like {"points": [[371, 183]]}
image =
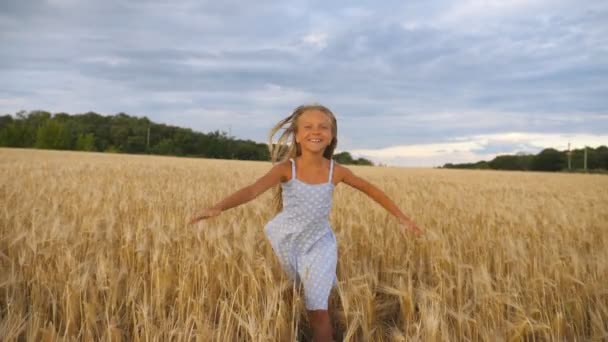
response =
{"points": [[148, 140], [230, 141], [569, 158], [585, 159]]}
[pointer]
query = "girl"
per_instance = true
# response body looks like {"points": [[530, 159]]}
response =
{"points": [[300, 234]]}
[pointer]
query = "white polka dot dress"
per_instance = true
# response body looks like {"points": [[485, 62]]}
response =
{"points": [[303, 240]]}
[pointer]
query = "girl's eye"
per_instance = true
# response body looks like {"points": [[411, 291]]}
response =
{"points": [[310, 127]]}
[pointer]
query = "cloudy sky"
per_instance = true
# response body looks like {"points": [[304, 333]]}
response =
{"points": [[412, 83]]}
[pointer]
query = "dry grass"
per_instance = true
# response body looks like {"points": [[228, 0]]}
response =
{"points": [[96, 247]]}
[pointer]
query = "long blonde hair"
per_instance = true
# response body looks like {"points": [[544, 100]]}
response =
{"points": [[286, 146]]}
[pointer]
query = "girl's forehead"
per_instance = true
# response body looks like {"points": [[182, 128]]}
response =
{"points": [[314, 115]]}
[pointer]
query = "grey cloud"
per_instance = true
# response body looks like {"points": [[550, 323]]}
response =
{"points": [[507, 148], [404, 84]]}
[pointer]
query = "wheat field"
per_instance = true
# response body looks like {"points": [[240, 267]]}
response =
{"points": [[97, 247]]}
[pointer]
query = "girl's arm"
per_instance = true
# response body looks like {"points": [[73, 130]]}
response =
{"points": [[244, 195], [377, 195]]}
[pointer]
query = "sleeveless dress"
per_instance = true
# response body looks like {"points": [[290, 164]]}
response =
{"points": [[303, 240]]}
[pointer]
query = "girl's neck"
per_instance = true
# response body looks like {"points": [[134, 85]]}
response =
{"points": [[312, 159]]}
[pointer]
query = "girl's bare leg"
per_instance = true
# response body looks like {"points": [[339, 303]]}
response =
{"points": [[321, 325]]}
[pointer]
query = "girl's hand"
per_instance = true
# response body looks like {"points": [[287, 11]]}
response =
{"points": [[410, 225], [205, 214]]}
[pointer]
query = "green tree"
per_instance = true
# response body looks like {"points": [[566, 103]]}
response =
{"points": [[54, 135], [343, 158], [593, 159], [15, 133], [118, 136], [123, 133], [549, 159], [134, 144], [602, 156], [164, 147], [86, 142], [37, 118], [363, 161], [5, 120], [510, 162], [346, 159]]}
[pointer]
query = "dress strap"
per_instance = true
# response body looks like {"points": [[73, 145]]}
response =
{"points": [[331, 170], [293, 168]]}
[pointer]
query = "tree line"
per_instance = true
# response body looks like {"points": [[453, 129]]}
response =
{"points": [[548, 159], [123, 133]]}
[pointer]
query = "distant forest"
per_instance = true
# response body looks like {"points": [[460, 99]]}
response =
{"points": [[547, 160], [122, 133]]}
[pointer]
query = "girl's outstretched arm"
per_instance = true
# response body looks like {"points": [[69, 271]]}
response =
{"points": [[244, 195], [345, 175]]}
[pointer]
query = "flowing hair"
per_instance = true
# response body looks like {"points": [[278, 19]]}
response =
{"points": [[286, 146]]}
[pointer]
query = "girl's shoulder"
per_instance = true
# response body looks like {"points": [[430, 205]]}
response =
{"points": [[339, 172], [284, 169], [344, 174]]}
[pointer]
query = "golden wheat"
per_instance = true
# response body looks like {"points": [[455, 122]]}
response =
{"points": [[97, 247]]}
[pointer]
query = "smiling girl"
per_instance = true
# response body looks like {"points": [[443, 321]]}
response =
{"points": [[300, 234]]}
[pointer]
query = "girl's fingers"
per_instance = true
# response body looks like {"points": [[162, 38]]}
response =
{"points": [[205, 215], [196, 219], [202, 217], [413, 228]]}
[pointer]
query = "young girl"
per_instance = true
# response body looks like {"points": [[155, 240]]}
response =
{"points": [[301, 235]]}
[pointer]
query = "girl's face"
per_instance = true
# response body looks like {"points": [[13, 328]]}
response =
{"points": [[314, 131]]}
